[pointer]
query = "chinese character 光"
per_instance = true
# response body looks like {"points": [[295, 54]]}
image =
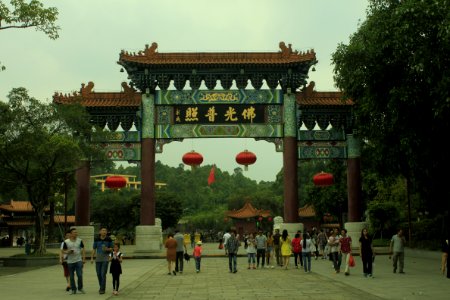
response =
{"points": [[230, 114]]}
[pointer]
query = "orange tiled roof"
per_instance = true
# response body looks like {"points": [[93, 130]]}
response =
{"points": [[310, 97], [247, 211], [18, 206], [307, 211], [30, 222], [150, 56], [87, 97]]}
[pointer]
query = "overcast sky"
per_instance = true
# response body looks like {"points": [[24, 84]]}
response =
{"points": [[94, 31]]}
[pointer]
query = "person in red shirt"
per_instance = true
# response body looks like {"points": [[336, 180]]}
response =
{"points": [[346, 249], [198, 255], [297, 249]]}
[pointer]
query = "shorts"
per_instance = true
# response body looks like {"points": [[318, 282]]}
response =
{"points": [[66, 269]]}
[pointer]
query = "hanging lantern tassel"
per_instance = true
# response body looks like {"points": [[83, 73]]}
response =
{"points": [[246, 158]]}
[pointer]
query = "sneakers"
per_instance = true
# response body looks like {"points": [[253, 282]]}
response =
{"points": [[115, 293], [174, 273], [235, 271], [73, 292], [67, 288], [401, 272], [101, 292], [197, 271], [347, 273], [82, 291]]}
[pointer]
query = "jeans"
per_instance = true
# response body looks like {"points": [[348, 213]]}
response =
{"points": [[232, 262], [179, 261], [251, 258], [76, 267], [400, 257], [335, 257], [306, 257], [102, 268], [367, 263], [276, 248], [260, 253], [198, 260]]}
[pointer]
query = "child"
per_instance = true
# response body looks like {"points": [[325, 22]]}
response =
{"points": [[198, 255], [115, 269]]}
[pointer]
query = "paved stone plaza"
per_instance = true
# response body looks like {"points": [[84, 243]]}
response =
{"points": [[148, 279]]}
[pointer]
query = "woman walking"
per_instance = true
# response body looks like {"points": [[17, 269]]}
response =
{"points": [[366, 252], [306, 252], [171, 254], [286, 250]]}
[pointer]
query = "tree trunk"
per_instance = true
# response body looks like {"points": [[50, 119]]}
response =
{"points": [[39, 242], [51, 223]]}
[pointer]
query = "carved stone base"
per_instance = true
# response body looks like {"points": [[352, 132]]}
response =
{"points": [[86, 233], [354, 231], [148, 238]]}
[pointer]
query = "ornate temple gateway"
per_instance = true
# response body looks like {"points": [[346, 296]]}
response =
{"points": [[279, 107]]}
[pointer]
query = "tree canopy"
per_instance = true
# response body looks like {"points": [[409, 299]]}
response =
{"points": [[39, 144], [25, 14], [396, 70]]}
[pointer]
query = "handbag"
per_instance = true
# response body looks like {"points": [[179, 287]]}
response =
{"points": [[351, 261], [187, 257]]}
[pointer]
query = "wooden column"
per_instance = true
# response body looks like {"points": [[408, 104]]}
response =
{"points": [[148, 160], [290, 158], [148, 181], [83, 200], [354, 179]]}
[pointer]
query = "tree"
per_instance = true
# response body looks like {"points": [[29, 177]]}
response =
{"points": [[396, 70], [39, 143], [20, 14]]}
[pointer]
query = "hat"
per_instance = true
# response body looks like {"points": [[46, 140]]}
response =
{"points": [[199, 243]]}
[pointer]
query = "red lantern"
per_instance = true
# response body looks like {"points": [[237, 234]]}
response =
{"points": [[260, 219], [246, 158], [269, 219], [323, 179], [192, 159], [115, 182]]}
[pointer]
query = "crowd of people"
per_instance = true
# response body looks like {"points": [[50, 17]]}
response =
{"points": [[263, 250]]}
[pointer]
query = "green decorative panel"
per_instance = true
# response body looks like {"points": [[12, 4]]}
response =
{"points": [[215, 131], [274, 114], [354, 146], [322, 150], [218, 97], [163, 114], [121, 151], [290, 124], [321, 135], [148, 111], [120, 137]]}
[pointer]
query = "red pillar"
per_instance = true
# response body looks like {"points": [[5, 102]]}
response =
{"points": [[148, 181], [83, 200], [290, 158], [354, 189]]}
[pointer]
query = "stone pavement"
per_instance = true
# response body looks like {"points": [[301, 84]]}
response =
{"points": [[148, 279]]}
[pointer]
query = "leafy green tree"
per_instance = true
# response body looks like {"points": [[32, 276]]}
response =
{"points": [[25, 14], [39, 143], [396, 70], [383, 216]]}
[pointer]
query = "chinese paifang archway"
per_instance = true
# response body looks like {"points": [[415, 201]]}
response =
{"points": [[275, 114]]}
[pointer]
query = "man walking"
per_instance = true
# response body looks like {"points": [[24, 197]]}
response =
{"points": [[102, 247], [397, 249], [231, 249], [76, 257], [276, 246], [181, 248], [261, 244]]}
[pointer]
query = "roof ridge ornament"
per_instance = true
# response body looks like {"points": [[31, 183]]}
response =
{"points": [[86, 89], [309, 89], [286, 51], [150, 51]]}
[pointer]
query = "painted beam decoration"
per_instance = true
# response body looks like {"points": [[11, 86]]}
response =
{"points": [[191, 97], [318, 150], [122, 151], [321, 135], [210, 131], [120, 137]]}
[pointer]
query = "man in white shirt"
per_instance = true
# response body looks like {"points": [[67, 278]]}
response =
{"points": [[76, 258]]}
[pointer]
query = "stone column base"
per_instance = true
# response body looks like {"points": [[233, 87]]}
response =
{"points": [[148, 238], [291, 228], [86, 233], [354, 231]]}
